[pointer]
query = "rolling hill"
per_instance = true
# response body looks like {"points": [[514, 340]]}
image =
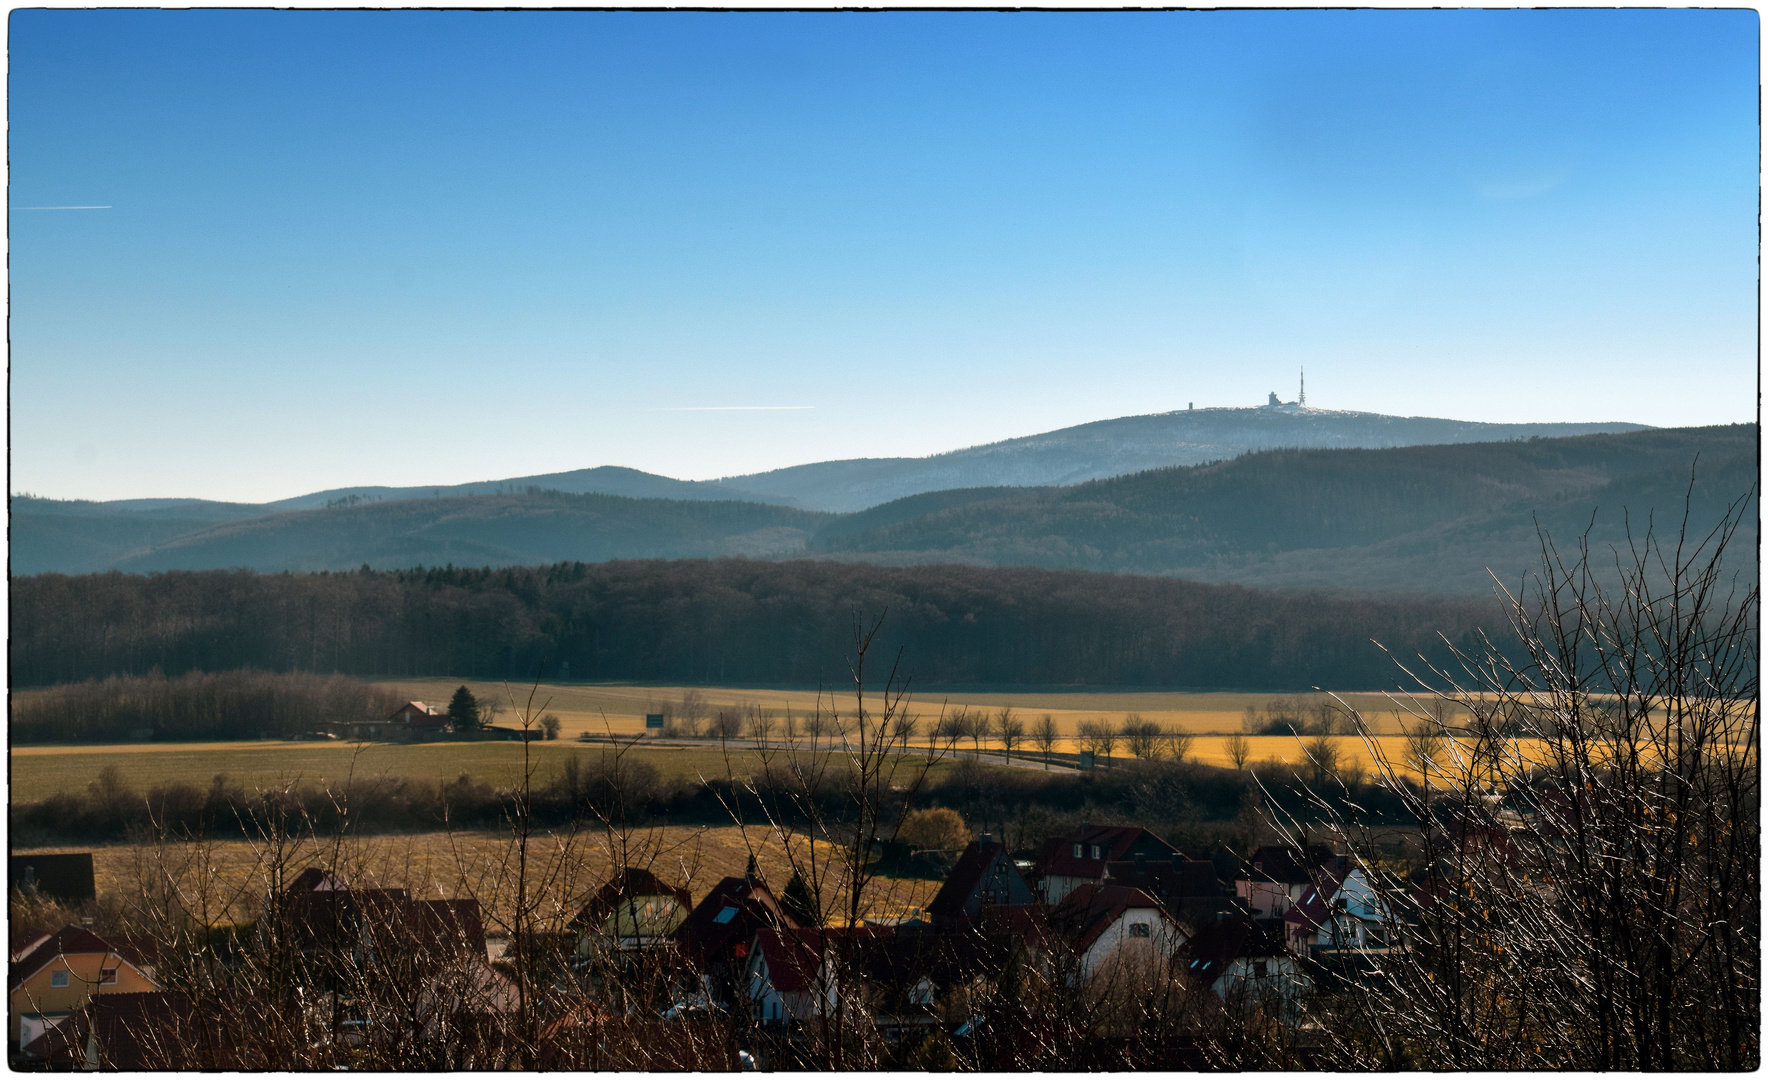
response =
{"points": [[1126, 445], [1415, 519], [1428, 518], [485, 530]]}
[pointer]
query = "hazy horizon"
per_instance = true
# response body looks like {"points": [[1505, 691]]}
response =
{"points": [[256, 254]]}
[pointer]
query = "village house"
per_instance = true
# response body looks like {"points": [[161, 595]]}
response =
{"points": [[633, 910], [715, 938], [1275, 878], [1116, 925], [1342, 915], [56, 974], [794, 975], [139, 1032], [1245, 963], [983, 875], [1081, 858]]}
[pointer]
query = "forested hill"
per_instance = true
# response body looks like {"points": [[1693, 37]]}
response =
{"points": [[1408, 519], [724, 620], [1125, 445], [528, 528], [1425, 518]]}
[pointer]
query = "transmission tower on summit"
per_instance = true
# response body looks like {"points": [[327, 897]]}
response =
{"points": [[1303, 400]]}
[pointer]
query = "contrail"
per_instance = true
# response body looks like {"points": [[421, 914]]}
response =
{"points": [[61, 208], [736, 408]]}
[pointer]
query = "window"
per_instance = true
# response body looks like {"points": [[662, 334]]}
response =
{"points": [[1095, 851], [58, 978], [1258, 969], [1139, 929], [725, 916], [107, 976], [1077, 850]]}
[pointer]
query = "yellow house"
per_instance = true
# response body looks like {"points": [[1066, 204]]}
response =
{"points": [[635, 910], [60, 972]]}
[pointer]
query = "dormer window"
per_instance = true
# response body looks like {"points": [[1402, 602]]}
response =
{"points": [[1095, 851], [1077, 852]]}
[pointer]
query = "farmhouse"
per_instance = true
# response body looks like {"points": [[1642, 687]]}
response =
{"points": [[410, 722]]}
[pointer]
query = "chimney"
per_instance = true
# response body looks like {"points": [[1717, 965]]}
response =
{"points": [[1141, 862], [1178, 860], [984, 838]]}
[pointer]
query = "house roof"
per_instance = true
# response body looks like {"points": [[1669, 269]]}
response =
{"points": [[72, 941], [426, 713], [1288, 866], [314, 879], [792, 956], [138, 1032], [1115, 842], [708, 932], [1167, 879], [630, 883], [1314, 909], [1212, 949], [1016, 922], [1090, 910], [966, 874], [453, 925], [331, 919]]}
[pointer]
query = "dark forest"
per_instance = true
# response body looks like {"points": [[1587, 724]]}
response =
{"points": [[725, 621]]}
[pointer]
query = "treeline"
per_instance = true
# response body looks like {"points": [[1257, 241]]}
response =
{"points": [[1208, 811], [244, 704], [724, 621]]}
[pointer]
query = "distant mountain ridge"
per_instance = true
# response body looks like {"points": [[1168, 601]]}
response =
{"points": [[1413, 519], [1129, 444], [1072, 455]]}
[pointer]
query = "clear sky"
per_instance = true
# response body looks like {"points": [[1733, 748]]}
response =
{"points": [[433, 247]]}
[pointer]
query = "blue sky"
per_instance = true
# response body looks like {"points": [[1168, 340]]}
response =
{"points": [[431, 247]]}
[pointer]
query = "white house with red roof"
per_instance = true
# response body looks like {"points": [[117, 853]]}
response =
{"points": [[1341, 914], [1115, 924]]}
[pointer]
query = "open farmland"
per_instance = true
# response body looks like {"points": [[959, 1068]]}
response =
{"points": [[41, 771], [565, 867], [621, 707], [597, 710]]}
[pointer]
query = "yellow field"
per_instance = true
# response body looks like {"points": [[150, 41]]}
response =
{"points": [[620, 708], [564, 868], [41, 771]]}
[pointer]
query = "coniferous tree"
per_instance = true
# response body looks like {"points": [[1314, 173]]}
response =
{"points": [[463, 712], [801, 903]]}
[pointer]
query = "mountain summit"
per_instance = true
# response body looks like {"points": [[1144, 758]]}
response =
{"points": [[1129, 444]]}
